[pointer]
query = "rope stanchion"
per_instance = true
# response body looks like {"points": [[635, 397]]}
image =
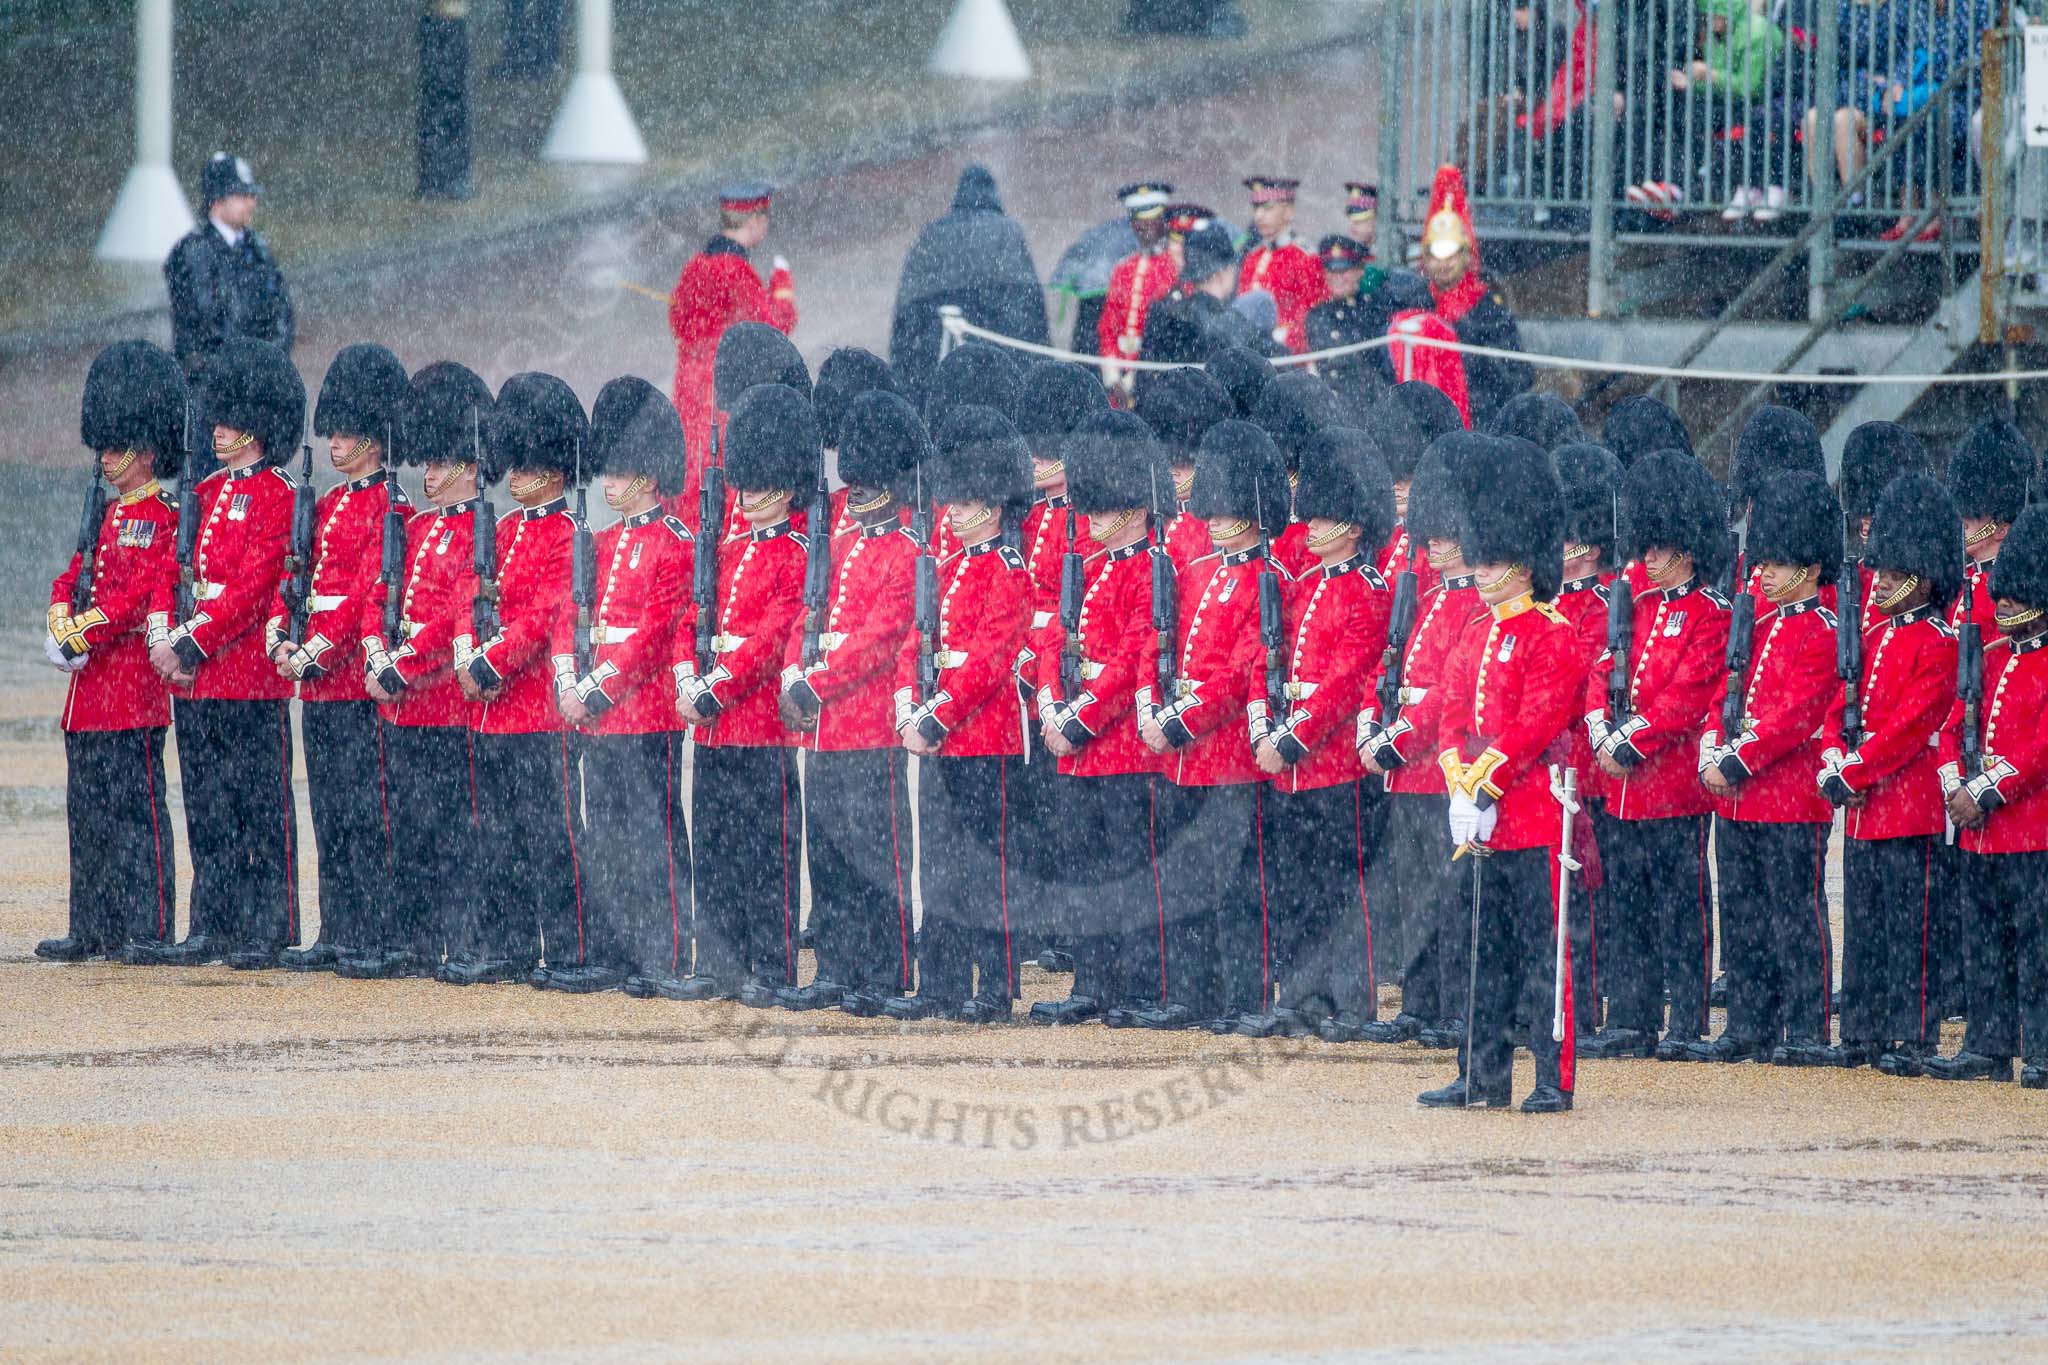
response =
{"points": [[960, 330]]}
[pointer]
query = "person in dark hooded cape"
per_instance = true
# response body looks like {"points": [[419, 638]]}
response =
{"points": [[976, 258]]}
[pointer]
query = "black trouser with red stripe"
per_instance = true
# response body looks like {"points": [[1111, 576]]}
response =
{"points": [[1038, 839], [1888, 986], [857, 843], [1213, 950], [124, 870], [235, 765], [1514, 989], [1775, 943], [2000, 928], [345, 784], [1436, 924], [1659, 936], [634, 854], [1113, 901], [969, 946], [430, 785], [746, 815], [1318, 844], [529, 873], [1948, 932]]}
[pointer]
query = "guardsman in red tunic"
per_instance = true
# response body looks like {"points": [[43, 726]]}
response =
{"points": [[1180, 407], [123, 873], [1418, 900], [360, 401], [1214, 958], [429, 783], [530, 885], [1324, 823], [1294, 407], [1770, 840], [1276, 261], [749, 353], [1591, 478], [1419, 414], [1997, 797], [1885, 775], [1652, 820], [1091, 725], [1774, 441], [838, 695], [719, 287], [232, 712], [1988, 475], [746, 807], [966, 723], [1139, 279], [1510, 687], [634, 854]]}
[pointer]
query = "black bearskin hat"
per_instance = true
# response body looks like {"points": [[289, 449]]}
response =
{"points": [[1640, 426], [1056, 395], [771, 441], [751, 353], [1915, 529], [444, 415], [1794, 519], [362, 394], [1244, 375], [882, 441], [1591, 479], [634, 429], [135, 398], [1429, 414], [252, 386], [1294, 407], [538, 424], [1874, 455], [1112, 462], [973, 375], [981, 458], [1542, 418], [1180, 407], [1344, 478], [845, 375], [1513, 507], [1669, 499], [1774, 441], [1990, 471], [1239, 473], [2021, 572], [1435, 509]]}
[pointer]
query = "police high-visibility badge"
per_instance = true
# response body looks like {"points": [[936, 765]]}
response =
{"points": [[136, 535]]}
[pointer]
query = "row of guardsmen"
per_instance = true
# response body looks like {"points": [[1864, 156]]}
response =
{"points": [[1236, 706]]}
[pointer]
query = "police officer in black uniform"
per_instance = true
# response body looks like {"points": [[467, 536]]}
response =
{"points": [[222, 279]]}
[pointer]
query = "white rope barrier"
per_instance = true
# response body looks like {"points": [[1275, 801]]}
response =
{"points": [[959, 329]]}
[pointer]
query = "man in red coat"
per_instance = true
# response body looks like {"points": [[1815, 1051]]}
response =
{"points": [[206, 637], [1181, 406], [838, 695], [1770, 838], [1510, 687], [717, 288], [1885, 775], [1276, 261], [745, 804], [530, 891], [123, 875], [1139, 280], [1994, 756], [635, 853], [409, 663], [358, 411], [966, 724]]}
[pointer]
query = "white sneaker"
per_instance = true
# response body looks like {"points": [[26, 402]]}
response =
{"points": [[1773, 207], [1741, 204]]}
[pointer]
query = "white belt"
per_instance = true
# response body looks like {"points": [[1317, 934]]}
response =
{"points": [[949, 658], [206, 592], [325, 602], [612, 635], [1040, 620]]}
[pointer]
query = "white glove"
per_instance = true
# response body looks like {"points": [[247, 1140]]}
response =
{"points": [[782, 263], [1464, 820], [54, 652], [1488, 818]]}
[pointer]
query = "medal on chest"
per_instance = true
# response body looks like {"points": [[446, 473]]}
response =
{"points": [[1229, 587], [447, 538], [633, 560], [135, 535], [1673, 624], [1507, 649], [238, 507]]}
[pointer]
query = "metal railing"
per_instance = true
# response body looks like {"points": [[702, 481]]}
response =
{"points": [[1638, 120]]}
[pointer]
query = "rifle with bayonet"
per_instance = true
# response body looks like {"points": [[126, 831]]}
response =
{"points": [[1849, 644], [1272, 621], [1970, 689], [89, 539], [1165, 613], [298, 556], [1741, 640], [187, 594], [704, 572], [583, 572], [1073, 589], [925, 596], [483, 608], [817, 573], [1400, 630]]}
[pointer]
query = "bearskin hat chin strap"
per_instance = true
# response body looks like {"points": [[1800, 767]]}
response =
{"points": [[1782, 593], [1899, 594], [1335, 533], [2017, 619], [1982, 533], [632, 491]]}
